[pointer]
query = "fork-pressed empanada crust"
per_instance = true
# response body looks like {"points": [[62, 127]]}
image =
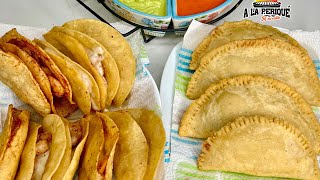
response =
{"points": [[276, 59], [244, 96], [260, 146], [239, 30]]}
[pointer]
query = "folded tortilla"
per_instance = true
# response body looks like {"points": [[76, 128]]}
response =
{"points": [[44, 149], [90, 58], [60, 86], [260, 146], [85, 89], [12, 140], [238, 30], [98, 54], [131, 156], [76, 136], [118, 47], [16, 75], [78, 146], [152, 127], [38, 74], [97, 162]]}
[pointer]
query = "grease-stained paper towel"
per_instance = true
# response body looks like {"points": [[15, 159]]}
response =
{"points": [[185, 151], [144, 93]]}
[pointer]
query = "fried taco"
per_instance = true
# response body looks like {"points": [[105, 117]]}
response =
{"points": [[85, 89], [16, 75], [131, 156], [76, 136], [152, 127], [44, 149], [12, 140], [90, 55], [60, 87], [118, 47], [37, 73], [97, 162]]}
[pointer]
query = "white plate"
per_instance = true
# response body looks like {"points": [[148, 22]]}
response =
{"points": [[167, 88]]}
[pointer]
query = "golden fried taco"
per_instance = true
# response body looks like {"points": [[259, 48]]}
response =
{"points": [[16, 75], [152, 127], [97, 162], [76, 136], [44, 149], [131, 156], [38, 74], [12, 140], [90, 55], [85, 89], [60, 87], [118, 47]]}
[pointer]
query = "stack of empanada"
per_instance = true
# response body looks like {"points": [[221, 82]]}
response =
{"points": [[253, 71]]}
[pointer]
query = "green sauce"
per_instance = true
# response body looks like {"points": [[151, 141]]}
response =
{"points": [[153, 7]]}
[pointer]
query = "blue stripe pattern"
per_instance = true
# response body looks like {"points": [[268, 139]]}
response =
{"points": [[186, 141], [184, 61], [185, 70], [187, 50], [317, 64], [185, 57]]}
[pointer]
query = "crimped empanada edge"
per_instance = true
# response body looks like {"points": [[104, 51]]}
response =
{"points": [[263, 42], [244, 80], [219, 30], [249, 120]]}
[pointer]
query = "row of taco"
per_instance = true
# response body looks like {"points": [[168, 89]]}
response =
{"points": [[84, 65], [98, 145]]}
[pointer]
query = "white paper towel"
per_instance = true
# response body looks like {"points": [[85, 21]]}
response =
{"points": [[184, 151]]}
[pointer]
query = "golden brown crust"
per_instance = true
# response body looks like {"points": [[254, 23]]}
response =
{"points": [[244, 80], [265, 43], [247, 121], [220, 31]]}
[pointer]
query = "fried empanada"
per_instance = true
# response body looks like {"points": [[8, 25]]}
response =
{"points": [[245, 96], [239, 30], [276, 59], [260, 146]]}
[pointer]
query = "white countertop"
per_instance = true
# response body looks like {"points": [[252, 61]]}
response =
{"points": [[46, 13]]}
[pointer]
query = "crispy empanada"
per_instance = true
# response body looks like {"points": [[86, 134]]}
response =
{"points": [[239, 30], [244, 96], [260, 146], [276, 59]]}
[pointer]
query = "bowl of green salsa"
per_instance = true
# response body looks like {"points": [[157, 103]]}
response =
{"points": [[159, 13], [151, 13]]}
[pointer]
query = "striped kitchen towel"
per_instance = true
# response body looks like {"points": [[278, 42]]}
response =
{"points": [[184, 151]]}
